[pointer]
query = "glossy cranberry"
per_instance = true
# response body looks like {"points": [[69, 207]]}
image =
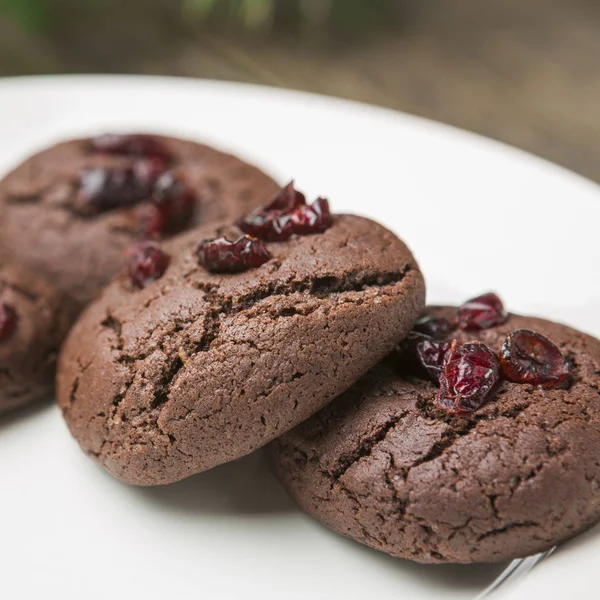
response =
{"points": [[432, 355], [529, 357], [101, 190], [436, 327], [151, 220], [8, 321], [146, 263], [175, 203], [470, 373], [423, 353], [287, 215], [224, 256], [482, 312], [131, 145], [316, 218], [288, 199], [148, 171]]}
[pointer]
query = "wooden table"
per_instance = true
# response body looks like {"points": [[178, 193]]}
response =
{"points": [[527, 73]]}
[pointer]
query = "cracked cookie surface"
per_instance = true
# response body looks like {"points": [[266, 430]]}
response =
{"points": [[386, 467], [199, 369], [80, 254], [28, 356]]}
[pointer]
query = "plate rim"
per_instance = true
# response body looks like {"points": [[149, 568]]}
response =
{"points": [[414, 121]]}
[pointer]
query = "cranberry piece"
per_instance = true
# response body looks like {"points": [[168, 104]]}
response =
{"points": [[288, 200], [152, 220], [148, 171], [224, 256], [470, 373], [147, 263], [8, 321], [101, 190], [436, 327], [175, 201], [131, 145], [529, 357], [424, 353], [482, 312], [315, 218], [286, 215], [432, 355], [268, 227]]}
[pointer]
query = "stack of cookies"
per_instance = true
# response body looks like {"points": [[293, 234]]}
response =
{"points": [[192, 311]]}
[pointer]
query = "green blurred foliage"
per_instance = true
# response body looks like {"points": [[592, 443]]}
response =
{"points": [[304, 15], [258, 14], [29, 14]]}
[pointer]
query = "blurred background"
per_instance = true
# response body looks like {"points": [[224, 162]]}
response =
{"points": [[524, 72]]}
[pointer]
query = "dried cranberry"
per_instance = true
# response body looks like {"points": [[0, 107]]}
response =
{"points": [[529, 357], [288, 199], [148, 171], [286, 215], [432, 354], [436, 327], [175, 203], [470, 373], [147, 263], [424, 353], [315, 218], [482, 312], [224, 256], [105, 189], [8, 320], [131, 145], [151, 220]]}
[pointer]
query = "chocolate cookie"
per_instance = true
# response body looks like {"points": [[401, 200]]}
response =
{"points": [[200, 368], [394, 465], [70, 211], [34, 320]]}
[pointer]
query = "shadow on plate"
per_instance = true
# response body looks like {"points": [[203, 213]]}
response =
{"points": [[24, 413], [442, 578], [245, 486]]}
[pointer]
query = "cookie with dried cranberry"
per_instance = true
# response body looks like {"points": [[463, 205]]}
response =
{"points": [[414, 470], [70, 211], [212, 346], [34, 320]]}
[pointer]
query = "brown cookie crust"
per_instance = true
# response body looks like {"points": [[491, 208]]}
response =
{"points": [[28, 356], [384, 466], [199, 369], [81, 254]]}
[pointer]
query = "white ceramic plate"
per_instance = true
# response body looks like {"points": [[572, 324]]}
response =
{"points": [[478, 216]]}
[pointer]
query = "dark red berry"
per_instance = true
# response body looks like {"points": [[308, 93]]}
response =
{"points": [[288, 199], [175, 201], [436, 327], [131, 145], [148, 171], [151, 220], [8, 321], [315, 218], [101, 189], [432, 355], [104, 189], [424, 353], [529, 357], [470, 373], [482, 312], [287, 215], [146, 263], [224, 256]]}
